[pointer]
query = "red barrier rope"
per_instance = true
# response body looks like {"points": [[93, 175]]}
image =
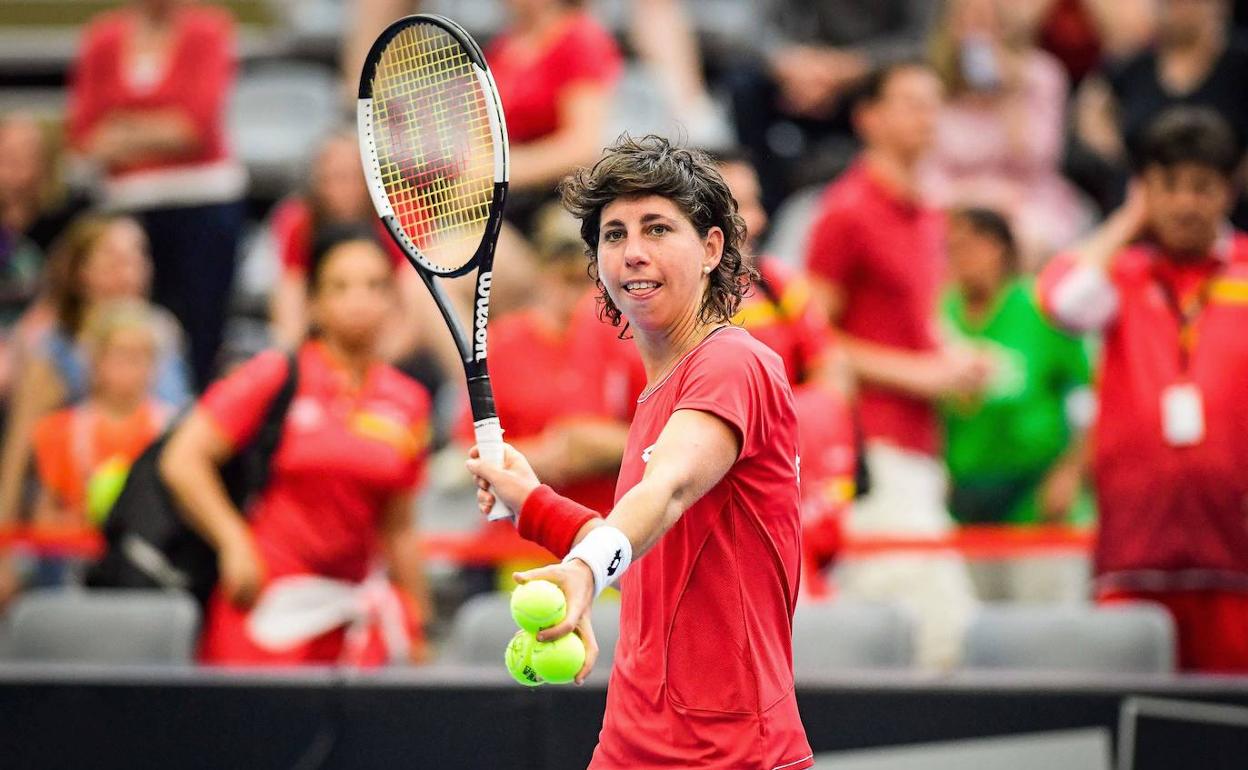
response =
{"points": [[981, 542]]}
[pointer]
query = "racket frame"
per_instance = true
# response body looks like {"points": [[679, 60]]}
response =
{"points": [[472, 350]]}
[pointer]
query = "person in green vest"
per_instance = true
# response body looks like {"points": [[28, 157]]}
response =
{"points": [[1015, 452]]}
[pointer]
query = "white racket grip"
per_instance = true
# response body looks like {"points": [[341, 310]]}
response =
{"points": [[489, 434]]}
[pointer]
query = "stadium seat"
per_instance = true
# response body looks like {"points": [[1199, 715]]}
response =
{"points": [[278, 114], [1123, 639], [483, 625], [103, 627], [841, 635]]}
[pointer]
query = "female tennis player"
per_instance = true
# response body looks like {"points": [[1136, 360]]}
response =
{"points": [[708, 489]]}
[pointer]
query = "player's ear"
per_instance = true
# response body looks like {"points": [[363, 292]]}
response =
{"points": [[713, 249]]}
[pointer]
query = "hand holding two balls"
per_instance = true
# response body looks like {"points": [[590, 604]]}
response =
{"points": [[556, 642]]}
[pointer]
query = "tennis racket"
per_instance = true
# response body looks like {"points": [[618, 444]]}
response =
{"points": [[434, 148]]}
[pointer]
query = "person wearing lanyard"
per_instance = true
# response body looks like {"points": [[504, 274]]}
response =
{"points": [[1165, 280]]}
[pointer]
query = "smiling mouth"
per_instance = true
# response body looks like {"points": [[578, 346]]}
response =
{"points": [[641, 288]]}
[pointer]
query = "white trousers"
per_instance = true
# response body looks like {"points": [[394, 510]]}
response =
{"points": [[907, 499]]}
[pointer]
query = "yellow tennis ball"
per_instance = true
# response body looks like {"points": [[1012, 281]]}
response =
{"points": [[104, 487], [519, 659], [537, 604], [559, 661]]}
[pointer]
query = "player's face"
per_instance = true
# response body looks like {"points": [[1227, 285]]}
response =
{"points": [[1187, 204], [651, 260], [117, 266], [354, 295]]}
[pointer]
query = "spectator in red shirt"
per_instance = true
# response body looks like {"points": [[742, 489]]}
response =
{"points": [[295, 566], [1165, 280], [147, 104], [876, 257], [555, 67]]}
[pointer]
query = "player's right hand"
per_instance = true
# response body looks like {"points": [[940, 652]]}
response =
{"points": [[512, 483], [577, 583], [241, 570]]}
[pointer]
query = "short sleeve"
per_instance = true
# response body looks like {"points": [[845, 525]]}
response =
{"points": [[237, 403], [831, 253], [729, 381]]}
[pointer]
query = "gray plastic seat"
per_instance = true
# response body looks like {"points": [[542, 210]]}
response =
{"points": [[278, 115], [483, 626], [1121, 638], [842, 635], [156, 627]]}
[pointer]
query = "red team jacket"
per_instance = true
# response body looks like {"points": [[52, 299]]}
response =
{"points": [[1170, 517]]}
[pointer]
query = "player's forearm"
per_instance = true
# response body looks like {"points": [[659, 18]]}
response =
{"points": [[644, 514]]}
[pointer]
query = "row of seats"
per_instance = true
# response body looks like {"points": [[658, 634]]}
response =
{"points": [[156, 627], [842, 635]]}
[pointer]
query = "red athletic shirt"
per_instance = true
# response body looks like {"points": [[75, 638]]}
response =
{"points": [[531, 84], [196, 80], [1171, 518], [782, 317], [291, 227], [344, 455], [887, 256], [703, 674]]}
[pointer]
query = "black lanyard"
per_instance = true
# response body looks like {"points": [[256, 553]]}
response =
{"points": [[1186, 318]]}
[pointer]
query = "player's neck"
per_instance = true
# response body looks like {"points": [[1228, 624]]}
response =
{"points": [[662, 350]]}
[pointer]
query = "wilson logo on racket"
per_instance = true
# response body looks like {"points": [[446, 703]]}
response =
{"points": [[481, 316]]}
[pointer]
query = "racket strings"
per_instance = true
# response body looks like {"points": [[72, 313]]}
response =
{"points": [[434, 143]]}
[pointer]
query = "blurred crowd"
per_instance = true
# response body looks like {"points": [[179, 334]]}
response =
{"points": [[997, 250]]}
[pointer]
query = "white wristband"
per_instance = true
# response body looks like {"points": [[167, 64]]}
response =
{"points": [[607, 552]]}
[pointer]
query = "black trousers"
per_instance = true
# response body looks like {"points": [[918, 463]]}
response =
{"points": [[194, 253]]}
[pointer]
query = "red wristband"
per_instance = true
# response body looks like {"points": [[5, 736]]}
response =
{"points": [[552, 521]]}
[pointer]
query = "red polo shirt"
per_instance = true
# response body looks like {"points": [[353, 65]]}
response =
{"points": [[1170, 517], [533, 82], [887, 256]]}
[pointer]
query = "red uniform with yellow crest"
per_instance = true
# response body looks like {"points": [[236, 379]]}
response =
{"points": [[1171, 436], [345, 452]]}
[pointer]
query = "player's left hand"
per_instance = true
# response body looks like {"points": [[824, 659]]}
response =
{"points": [[577, 583]]}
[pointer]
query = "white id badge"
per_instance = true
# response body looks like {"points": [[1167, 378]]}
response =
{"points": [[1182, 415]]}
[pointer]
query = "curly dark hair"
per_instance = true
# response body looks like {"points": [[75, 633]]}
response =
{"points": [[652, 165]]}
